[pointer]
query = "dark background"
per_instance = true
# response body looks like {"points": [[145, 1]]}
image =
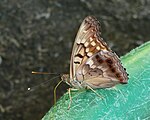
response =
{"points": [[38, 35]]}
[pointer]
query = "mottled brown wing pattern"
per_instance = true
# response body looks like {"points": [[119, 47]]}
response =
{"points": [[87, 43], [93, 63], [102, 70]]}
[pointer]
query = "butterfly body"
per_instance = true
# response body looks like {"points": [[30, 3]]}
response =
{"points": [[93, 64]]}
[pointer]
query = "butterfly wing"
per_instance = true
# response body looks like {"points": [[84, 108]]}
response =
{"points": [[87, 43], [92, 61], [102, 70]]}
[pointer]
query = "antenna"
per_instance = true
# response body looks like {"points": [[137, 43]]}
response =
{"points": [[45, 73]]}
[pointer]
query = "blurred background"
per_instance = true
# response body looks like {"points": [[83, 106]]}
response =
{"points": [[38, 35]]}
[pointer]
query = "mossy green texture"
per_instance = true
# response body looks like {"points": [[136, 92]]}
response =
{"points": [[126, 102]]}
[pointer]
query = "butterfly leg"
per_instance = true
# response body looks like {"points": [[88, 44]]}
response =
{"points": [[95, 92], [97, 95], [55, 91], [69, 92]]}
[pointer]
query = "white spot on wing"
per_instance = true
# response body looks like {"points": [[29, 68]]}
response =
{"points": [[86, 44], [93, 43], [91, 39], [87, 50], [90, 62], [89, 54], [98, 48]]}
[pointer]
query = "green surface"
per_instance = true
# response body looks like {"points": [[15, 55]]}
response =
{"points": [[126, 102]]}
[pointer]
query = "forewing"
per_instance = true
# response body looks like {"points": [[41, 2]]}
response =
{"points": [[87, 43]]}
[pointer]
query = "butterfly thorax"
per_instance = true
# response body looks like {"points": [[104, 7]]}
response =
{"points": [[73, 82]]}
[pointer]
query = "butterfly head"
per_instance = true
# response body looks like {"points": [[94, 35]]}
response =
{"points": [[66, 78]]}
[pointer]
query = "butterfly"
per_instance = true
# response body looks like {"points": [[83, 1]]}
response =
{"points": [[93, 64]]}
